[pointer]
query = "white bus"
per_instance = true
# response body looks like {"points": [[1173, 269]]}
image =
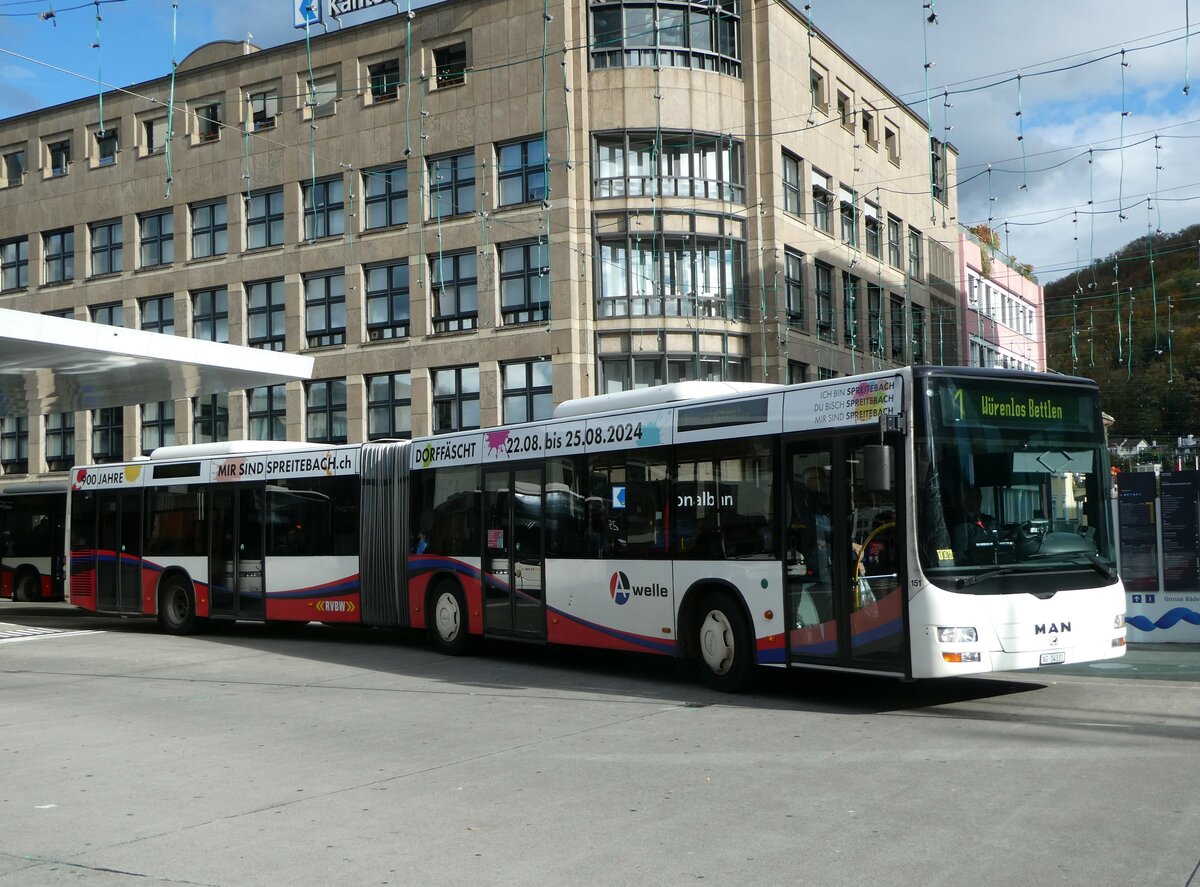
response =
{"points": [[925, 522], [33, 516]]}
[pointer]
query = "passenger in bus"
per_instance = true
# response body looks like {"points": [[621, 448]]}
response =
{"points": [[974, 528], [815, 526], [420, 544]]}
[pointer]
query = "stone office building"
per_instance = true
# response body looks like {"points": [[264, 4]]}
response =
{"points": [[476, 213]]}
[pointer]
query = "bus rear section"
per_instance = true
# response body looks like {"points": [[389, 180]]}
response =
{"points": [[32, 541], [241, 530]]}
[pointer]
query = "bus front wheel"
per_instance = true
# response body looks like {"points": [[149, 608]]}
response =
{"points": [[724, 650], [448, 619], [177, 607]]}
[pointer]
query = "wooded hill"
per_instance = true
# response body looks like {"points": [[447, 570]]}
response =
{"points": [[1131, 321]]}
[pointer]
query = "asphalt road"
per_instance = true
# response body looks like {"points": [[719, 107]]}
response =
{"points": [[312, 755]]}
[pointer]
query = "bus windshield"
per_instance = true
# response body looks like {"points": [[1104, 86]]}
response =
{"points": [[1012, 486]]}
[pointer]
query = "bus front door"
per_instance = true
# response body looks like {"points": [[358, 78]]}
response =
{"points": [[235, 560], [844, 563], [513, 561], [119, 550]]}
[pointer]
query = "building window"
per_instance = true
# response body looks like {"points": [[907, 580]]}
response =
{"points": [[914, 253], [208, 122], [455, 399], [528, 394], [893, 231], [875, 319], [851, 287], [918, 334], [210, 418], [684, 275], [450, 64], [266, 315], [642, 370], [387, 301], [320, 95], [937, 169], [107, 247], [106, 147], [793, 284], [845, 110], [156, 239], [824, 373], [389, 406], [797, 372], [849, 219], [156, 135], [60, 441], [325, 411], [325, 308], [452, 185], [158, 315], [455, 289], [385, 80], [14, 264], [14, 444], [386, 193], [59, 255], [891, 143], [874, 246], [791, 184], [818, 90], [704, 36], [324, 210], [522, 169], [897, 331], [264, 219], [870, 130], [108, 434], [689, 164], [210, 229], [824, 291], [210, 315], [525, 283], [14, 167], [158, 426], [60, 157], [264, 107], [822, 197], [109, 315], [267, 412]]}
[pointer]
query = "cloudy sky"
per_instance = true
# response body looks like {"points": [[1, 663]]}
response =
{"points": [[1076, 92]]}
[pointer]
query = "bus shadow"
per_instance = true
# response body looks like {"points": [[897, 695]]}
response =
{"points": [[499, 667]]}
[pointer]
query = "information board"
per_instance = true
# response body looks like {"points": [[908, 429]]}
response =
{"points": [[1138, 521], [1180, 530]]}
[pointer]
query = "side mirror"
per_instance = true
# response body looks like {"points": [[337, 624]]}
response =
{"points": [[878, 461]]}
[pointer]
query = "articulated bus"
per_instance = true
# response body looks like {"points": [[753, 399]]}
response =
{"points": [[33, 518], [925, 522]]}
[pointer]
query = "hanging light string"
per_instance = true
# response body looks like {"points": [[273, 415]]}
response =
{"points": [[1121, 152], [311, 101], [171, 104], [1117, 287], [1021, 137], [1157, 169], [929, 20], [1187, 31], [1153, 286], [99, 70], [408, 82]]}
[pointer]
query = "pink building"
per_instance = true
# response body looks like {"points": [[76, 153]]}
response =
{"points": [[1003, 316]]}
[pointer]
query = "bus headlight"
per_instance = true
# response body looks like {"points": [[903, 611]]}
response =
{"points": [[957, 635]]}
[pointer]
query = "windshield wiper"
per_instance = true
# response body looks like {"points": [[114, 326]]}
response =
{"points": [[1107, 570], [983, 577]]}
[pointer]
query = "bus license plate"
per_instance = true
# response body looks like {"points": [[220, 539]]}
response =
{"points": [[1053, 658]]}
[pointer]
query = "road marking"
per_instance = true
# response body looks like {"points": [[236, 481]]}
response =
{"points": [[15, 635]]}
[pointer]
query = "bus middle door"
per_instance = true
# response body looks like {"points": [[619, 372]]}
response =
{"points": [[513, 559], [235, 560]]}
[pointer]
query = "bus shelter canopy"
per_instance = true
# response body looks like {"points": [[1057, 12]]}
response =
{"points": [[59, 365]]}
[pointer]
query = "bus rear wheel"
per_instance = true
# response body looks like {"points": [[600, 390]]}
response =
{"points": [[27, 587], [177, 607], [724, 650], [448, 619]]}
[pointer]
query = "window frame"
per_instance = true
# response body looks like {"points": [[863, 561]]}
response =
{"points": [[536, 395], [464, 316], [393, 198], [332, 410], [395, 324], [397, 397], [210, 228], [524, 173], [793, 286], [330, 303], [274, 311], [454, 399], [456, 185], [58, 256], [16, 268], [528, 278], [273, 417], [269, 221], [319, 204], [160, 242]]}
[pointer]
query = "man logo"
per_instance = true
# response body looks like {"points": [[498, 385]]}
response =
{"points": [[618, 587]]}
